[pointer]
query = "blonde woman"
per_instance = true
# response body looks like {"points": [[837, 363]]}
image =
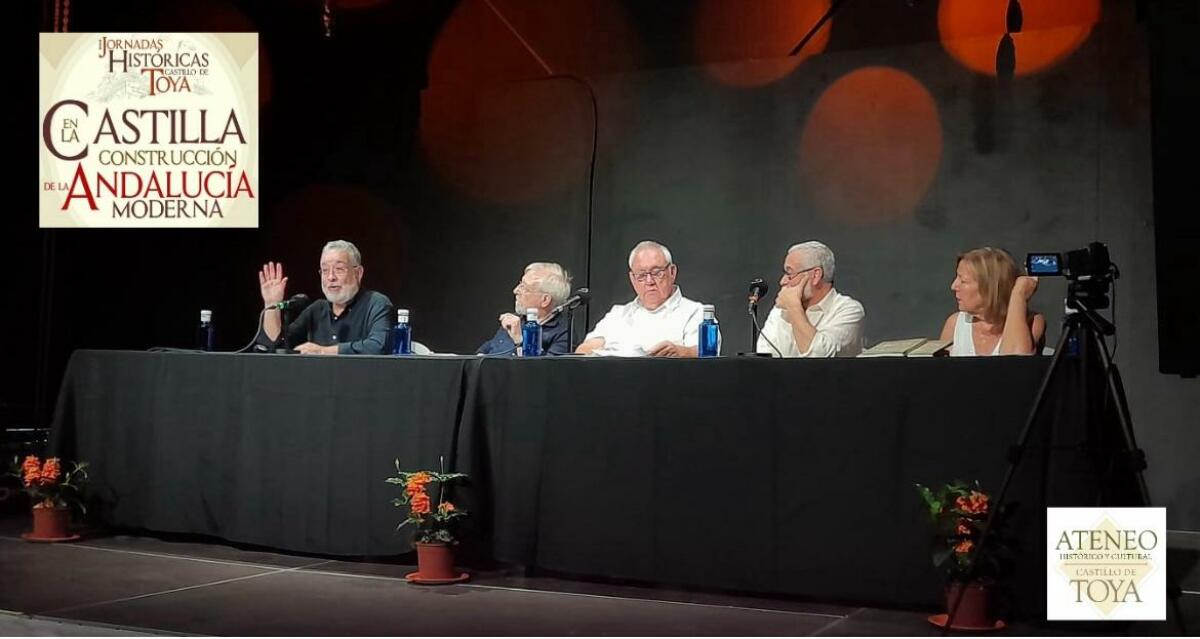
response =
{"points": [[993, 315]]}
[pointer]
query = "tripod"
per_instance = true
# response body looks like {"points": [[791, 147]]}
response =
{"points": [[1083, 338]]}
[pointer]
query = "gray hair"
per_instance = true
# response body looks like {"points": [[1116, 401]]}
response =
{"points": [[350, 249], [552, 279], [818, 255], [650, 244]]}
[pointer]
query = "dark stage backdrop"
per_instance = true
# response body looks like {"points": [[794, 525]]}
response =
{"points": [[455, 142]]}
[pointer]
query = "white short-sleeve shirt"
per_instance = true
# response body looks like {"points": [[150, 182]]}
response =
{"points": [[631, 327]]}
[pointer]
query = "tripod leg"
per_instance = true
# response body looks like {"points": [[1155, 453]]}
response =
{"points": [[1034, 411], [1116, 394], [1135, 457], [1014, 459]]}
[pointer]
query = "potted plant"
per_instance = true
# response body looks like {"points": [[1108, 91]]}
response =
{"points": [[53, 493], [434, 522], [958, 514]]}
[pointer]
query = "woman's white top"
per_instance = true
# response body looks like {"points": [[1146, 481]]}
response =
{"points": [[964, 340]]}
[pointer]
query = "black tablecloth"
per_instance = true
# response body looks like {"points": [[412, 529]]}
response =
{"points": [[747, 474], [760, 475], [287, 452]]}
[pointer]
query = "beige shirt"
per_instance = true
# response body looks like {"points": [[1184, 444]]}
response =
{"points": [[838, 319]]}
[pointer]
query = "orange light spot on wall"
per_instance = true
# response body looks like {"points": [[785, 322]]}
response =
{"points": [[970, 31], [474, 47], [502, 140], [579, 37], [515, 143], [871, 147], [764, 31]]}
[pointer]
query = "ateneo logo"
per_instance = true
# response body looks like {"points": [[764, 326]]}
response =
{"points": [[1106, 563]]}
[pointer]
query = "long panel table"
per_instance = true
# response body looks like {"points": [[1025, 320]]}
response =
{"points": [[747, 474]]}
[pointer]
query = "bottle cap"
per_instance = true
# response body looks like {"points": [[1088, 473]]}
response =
{"points": [[531, 314], [710, 311], [205, 315], [402, 315]]}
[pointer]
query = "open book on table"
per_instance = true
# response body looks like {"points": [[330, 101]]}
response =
{"points": [[915, 347]]}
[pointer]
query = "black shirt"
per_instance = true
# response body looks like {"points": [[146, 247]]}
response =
{"points": [[364, 327]]}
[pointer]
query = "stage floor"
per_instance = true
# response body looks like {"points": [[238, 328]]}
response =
{"points": [[124, 585]]}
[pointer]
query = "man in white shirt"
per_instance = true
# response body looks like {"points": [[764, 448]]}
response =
{"points": [[660, 322], [810, 318]]}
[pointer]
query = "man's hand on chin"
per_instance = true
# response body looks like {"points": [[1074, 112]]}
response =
{"points": [[308, 348]]}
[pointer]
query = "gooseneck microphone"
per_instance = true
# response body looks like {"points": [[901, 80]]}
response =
{"points": [[758, 290], [581, 296], [299, 300]]}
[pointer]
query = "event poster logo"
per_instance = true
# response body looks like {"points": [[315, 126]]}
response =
{"points": [[148, 130], [1106, 563]]}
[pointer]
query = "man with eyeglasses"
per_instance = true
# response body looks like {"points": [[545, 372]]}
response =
{"points": [[543, 286], [811, 318], [660, 322], [349, 321]]}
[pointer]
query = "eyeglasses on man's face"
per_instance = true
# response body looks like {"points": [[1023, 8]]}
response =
{"points": [[658, 274], [790, 276], [340, 270]]}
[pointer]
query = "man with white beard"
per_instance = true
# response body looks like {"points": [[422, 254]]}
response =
{"points": [[349, 321], [811, 318]]}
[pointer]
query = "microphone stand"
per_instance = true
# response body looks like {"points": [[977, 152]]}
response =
{"points": [[285, 320], [569, 309], [753, 310], [570, 330]]}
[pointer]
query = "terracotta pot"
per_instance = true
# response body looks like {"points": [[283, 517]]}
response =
{"points": [[435, 561], [50, 522], [974, 611]]}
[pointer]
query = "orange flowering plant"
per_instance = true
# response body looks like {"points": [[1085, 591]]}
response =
{"points": [[435, 521], [48, 485], [958, 513]]}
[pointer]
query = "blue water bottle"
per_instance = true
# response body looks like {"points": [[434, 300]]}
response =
{"points": [[531, 334], [205, 334], [710, 333], [401, 334]]}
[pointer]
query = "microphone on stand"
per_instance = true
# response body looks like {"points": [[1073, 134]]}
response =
{"points": [[295, 302], [581, 296], [758, 290]]}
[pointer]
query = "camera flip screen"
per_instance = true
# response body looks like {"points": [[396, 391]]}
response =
{"points": [[1043, 264]]}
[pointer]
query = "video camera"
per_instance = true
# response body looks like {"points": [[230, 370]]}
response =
{"points": [[1089, 273]]}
